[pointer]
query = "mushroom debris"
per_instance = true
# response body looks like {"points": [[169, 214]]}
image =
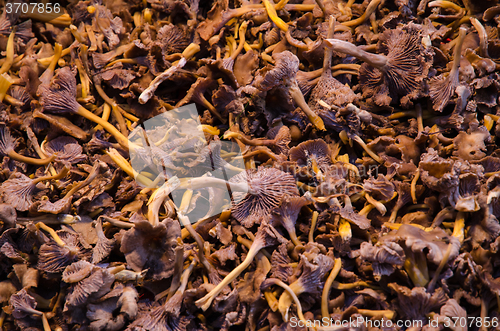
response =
{"points": [[340, 163]]}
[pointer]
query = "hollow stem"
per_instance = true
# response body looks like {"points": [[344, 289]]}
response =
{"points": [[299, 7], [271, 299], [349, 286], [377, 204], [48, 60], [328, 286], [454, 72], [60, 175], [445, 5], [360, 20], [375, 60], [203, 182], [117, 113], [117, 223], [106, 111], [9, 58], [49, 72], [242, 32], [5, 83], [271, 12], [125, 166], [52, 233], [458, 229], [205, 302], [246, 141]]}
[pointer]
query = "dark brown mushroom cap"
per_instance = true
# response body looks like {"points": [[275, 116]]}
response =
{"points": [[349, 214], [414, 304], [27, 277], [67, 149], [7, 142], [434, 243], [60, 96], [283, 73], [437, 173], [408, 63], [471, 146], [23, 304], [53, 258], [280, 264], [311, 278], [152, 247], [97, 284], [266, 188], [8, 217], [381, 188], [385, 257], [311, 149], [103, 246], [77, 271], [103, 316], [172, 39], [18, 191]]}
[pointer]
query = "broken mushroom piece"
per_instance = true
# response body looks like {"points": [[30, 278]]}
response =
{"points": [[266, 187], [8, 144], [266, 236], [284, 76], [399, 72], [442, 88]]}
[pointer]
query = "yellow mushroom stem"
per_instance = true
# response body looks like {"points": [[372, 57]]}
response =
{"points": [[46, 61], [414, 186], [345, 230], [349, 286], [328, 286], [445, 5], [53, 234], [290, 292], [396, 226], [387, 314], [366, 15], [314, 219], [374, 156], [271, 12], [127, 168], [9, 58], [377, 204], [84, 78], [271, 299], [416, 267], [281, 4], [5, 83], [488, 121], [458, 228], [242, 31], [78, 36], [106, 111], [299, 7], [114, 108], [26, 159]]}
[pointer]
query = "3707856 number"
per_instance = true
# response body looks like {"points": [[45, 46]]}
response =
{"points": [[32, 8]]}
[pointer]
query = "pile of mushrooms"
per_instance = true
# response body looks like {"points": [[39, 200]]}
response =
{"points": [[345, 154]]}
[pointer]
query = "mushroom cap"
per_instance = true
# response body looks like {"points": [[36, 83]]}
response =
{"points": [[23, 304], [470, 146], [311, 149], [77, 271], [266, 188], [7, 142], [408, 63], [67, 149], [60, 96], [288, 211], [8, 216], [18, 191], [284, 71]]}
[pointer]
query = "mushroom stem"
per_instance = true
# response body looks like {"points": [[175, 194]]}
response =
{"points": [[377, 204], [387, 314], [21, 158], [328, 286], [483, 37], [246, 141], [117, 223], [117, 113], [60, 175], [420, 120], [52, 233], [49, 72], [458, 228], [44, 62], [242, 32], [271, 299], [120, 138], [186, 55], [314, 219], [375, 60], [203, 182], [2, 319], [416, 267], [5, 83], [414, 186], [271, 12], [45, 323], [125, 166], [9, 58], [349, 286], [457, 55], [298, 97], [205, 302], [445, 4], [369, 10], [367, 150], [106, 111], [288, 290]]}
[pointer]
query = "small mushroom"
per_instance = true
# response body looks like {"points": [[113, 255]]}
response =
{"points": [[8, 144], [287, 214]]}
